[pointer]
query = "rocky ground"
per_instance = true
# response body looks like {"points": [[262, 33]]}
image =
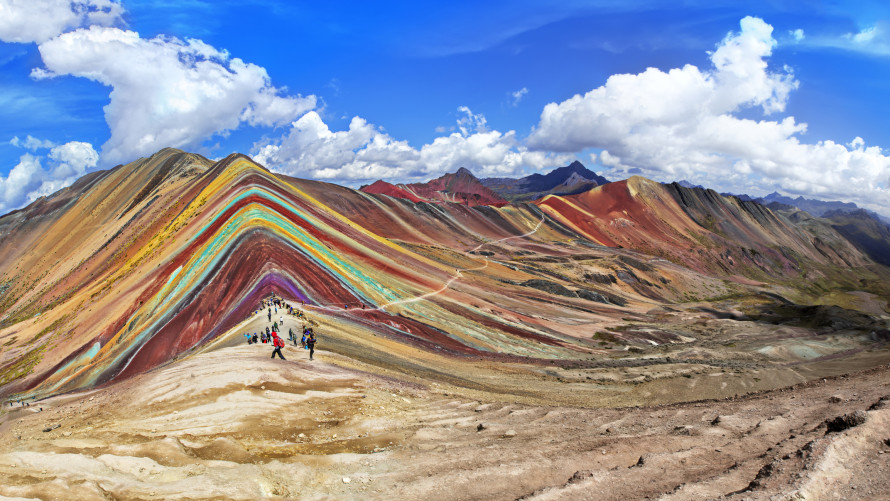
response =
{"points": [[231, 423]]}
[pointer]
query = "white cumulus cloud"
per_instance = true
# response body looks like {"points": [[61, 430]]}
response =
{"points": [[683, 124], [166, 91], [25, 21], [73, 159], [28, 180]]}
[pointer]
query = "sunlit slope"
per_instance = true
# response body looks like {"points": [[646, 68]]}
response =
{"points": [[133, 267], [702, 230], [146, 272]]}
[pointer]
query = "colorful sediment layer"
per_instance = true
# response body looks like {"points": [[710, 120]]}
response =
{"points": [[131, 268]]}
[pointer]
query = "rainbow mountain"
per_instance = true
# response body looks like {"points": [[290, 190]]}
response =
{"points": [[134, 267]]}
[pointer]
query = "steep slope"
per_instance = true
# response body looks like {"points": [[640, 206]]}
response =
{"points": [[460, 187], [701, 229], [381, 187], [170, 252], [865, 231]]}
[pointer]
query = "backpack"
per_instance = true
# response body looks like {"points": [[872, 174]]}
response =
{"points": [[279, 343]]}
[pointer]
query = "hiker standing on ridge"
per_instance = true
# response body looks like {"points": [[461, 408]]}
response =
{"points": [[278, 343], [310, 343]]}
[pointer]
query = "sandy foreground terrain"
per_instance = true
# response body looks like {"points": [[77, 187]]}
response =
{"points": [[231, 423]]}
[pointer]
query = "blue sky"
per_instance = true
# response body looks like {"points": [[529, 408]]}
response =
{"points": [[744, 97]]}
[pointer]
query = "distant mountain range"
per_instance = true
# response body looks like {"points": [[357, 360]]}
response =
{"points": [[814, 207], [461, 187], [465, 188], [866, 230], [569, 180], [817, 208]]}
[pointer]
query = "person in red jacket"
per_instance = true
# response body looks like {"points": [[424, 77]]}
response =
{"points": [[278, 343]]}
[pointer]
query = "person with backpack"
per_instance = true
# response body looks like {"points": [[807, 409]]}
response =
{"points": [[278, 343], [310, 343]]}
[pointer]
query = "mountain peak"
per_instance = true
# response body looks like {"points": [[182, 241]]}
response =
{"points": [[577, 166], [460, 187]]}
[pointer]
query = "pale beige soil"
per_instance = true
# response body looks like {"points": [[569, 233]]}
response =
{"points": [[231, 423]]}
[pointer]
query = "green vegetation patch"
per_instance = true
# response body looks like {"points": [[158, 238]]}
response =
{"points": [[22, 366]]}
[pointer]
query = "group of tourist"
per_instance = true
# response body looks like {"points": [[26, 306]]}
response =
{"points": [[270, 335]]}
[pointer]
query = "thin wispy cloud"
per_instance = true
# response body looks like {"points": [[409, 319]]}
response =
{"points": [[518, 95]]}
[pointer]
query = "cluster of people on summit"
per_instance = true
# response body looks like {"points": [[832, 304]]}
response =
{"points": [[271, 333]]}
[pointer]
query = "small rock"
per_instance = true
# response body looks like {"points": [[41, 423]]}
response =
{"points": [[841, 423], [481, 427], [346, 480], [335, 435], [510, 433], [52, 427], [835, 399], [67, 434], [715, 421], [581, 475], [302, 435], [604, 452]]}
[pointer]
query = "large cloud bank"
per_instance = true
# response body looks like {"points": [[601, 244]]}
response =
{"points": [[683, 123], [722, 126], [364, 153], [165, 91]]}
